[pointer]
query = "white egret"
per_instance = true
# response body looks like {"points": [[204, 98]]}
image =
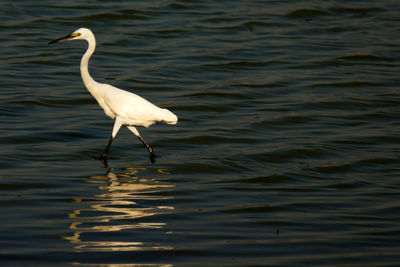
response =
{"points": [[122, 106]]}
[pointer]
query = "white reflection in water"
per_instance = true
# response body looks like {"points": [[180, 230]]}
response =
{"points": [[117, 209]]}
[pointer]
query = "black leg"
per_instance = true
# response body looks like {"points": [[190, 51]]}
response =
{"points": [[150, 149], [105, 153]]}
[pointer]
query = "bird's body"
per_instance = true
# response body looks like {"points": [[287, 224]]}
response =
{"points": [[122, 106], [132, 109]]}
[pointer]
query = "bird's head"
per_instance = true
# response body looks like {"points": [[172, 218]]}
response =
{"points": [[79, 34]]}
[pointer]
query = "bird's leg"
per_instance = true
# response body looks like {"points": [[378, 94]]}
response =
{"points": [[105, 153], [117, 126], [149, 148]]}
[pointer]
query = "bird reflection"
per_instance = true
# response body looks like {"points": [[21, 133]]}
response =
{"points": [[126, 203]]}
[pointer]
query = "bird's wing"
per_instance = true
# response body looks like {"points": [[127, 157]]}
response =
{"points": [[130, 106]]}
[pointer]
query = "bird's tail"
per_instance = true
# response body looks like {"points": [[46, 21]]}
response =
{"points": [[169, 117]]}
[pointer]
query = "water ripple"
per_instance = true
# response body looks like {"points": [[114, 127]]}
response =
{"points": [[286, 150]]}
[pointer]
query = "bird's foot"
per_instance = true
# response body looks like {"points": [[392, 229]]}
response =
{"points": [[103, 158], [152, 157]]}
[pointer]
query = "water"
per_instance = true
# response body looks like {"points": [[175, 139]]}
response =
{"points": [[286, 151]]}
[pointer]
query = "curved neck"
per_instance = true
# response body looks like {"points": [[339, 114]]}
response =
{"points": [[87, 79]]}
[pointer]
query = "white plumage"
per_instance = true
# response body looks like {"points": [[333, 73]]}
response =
{"points": [[122, 106]]}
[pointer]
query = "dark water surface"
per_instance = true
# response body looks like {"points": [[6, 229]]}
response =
{"points": [[286, 151]]}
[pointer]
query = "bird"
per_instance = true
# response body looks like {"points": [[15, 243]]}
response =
{"points": [[125, 108]]}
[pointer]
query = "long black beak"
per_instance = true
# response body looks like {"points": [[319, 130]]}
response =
{"points": [[65, 38]]}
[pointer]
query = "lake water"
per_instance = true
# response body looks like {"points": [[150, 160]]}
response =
{"points": [[287, 149]]}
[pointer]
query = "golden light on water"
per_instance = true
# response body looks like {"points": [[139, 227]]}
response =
{"points": [[126, 202]]}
